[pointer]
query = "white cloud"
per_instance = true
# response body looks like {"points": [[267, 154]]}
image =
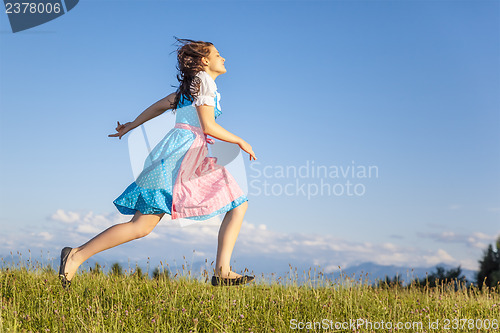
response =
{"points": [[389, 246], [476, 240], [6, 240], [67, 217], [153, 235], [438, 257], [87, 229], [46, 235], [481, 235], [448, 234]]}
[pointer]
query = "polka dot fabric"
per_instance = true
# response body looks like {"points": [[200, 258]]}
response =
{"points": [[178, 177]]}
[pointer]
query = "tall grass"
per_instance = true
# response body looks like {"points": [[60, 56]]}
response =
{"points": [[32, 300]]}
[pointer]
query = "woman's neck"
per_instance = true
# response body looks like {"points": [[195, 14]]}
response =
{"points": [[212, 74]]}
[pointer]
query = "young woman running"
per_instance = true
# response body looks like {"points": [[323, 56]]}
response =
{"points": [[178, 177]]}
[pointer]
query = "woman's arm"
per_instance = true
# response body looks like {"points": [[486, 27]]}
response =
{"points": [[151, 112], [210, 127], [155, 110]]}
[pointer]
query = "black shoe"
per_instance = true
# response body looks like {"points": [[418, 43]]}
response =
{"points": [[218, 281], [64, 257]]}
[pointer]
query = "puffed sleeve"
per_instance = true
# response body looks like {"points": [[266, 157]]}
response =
{"points": [[206, 94]]}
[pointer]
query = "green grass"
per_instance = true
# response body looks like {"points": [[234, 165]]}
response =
{"points": [[32, 300]]}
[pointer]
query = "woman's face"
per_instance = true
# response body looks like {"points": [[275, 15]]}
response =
{"points": [[215, 61]]}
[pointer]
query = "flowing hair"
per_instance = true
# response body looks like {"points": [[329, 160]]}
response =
{"points": [[189, 56]]}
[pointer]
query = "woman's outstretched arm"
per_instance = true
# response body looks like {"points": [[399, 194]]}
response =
{"points": [[151, 112], [210, 127]]}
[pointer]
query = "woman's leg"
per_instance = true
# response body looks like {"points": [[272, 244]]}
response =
{"points": [[140, 226], [228, 233]]}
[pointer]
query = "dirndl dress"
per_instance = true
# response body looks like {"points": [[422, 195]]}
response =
{"points": [[179, 178]]}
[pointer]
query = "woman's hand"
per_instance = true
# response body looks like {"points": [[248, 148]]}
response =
{"points": [[122, 129], [246, 147]]}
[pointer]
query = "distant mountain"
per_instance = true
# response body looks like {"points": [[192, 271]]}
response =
{"points": [[372, 272]]}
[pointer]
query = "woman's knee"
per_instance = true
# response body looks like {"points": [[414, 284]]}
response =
{"points": [[143, 231], [145, 224]]}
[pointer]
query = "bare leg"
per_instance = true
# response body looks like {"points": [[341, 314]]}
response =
{"points": [[228, 233], [140, 226]]}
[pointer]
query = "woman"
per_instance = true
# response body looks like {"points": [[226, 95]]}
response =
{"points": [[178, 178]]}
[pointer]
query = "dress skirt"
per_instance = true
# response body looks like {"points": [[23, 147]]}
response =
{"points": [[180, 179]]}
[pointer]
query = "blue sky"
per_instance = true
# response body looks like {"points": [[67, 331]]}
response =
{"points": [[408, 87]]}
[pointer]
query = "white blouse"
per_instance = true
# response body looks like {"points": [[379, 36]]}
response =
{"points": [[208, 91]]}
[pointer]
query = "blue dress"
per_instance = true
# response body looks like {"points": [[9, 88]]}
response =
{"points": [[178, 177]]}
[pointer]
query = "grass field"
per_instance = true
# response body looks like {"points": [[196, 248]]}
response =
{"points": [[32, 300]]}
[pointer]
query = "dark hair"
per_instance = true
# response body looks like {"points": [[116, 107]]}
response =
{"points": [[189, 56]]}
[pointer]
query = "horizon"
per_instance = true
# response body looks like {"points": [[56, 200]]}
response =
{"points": [[340, 275]]}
